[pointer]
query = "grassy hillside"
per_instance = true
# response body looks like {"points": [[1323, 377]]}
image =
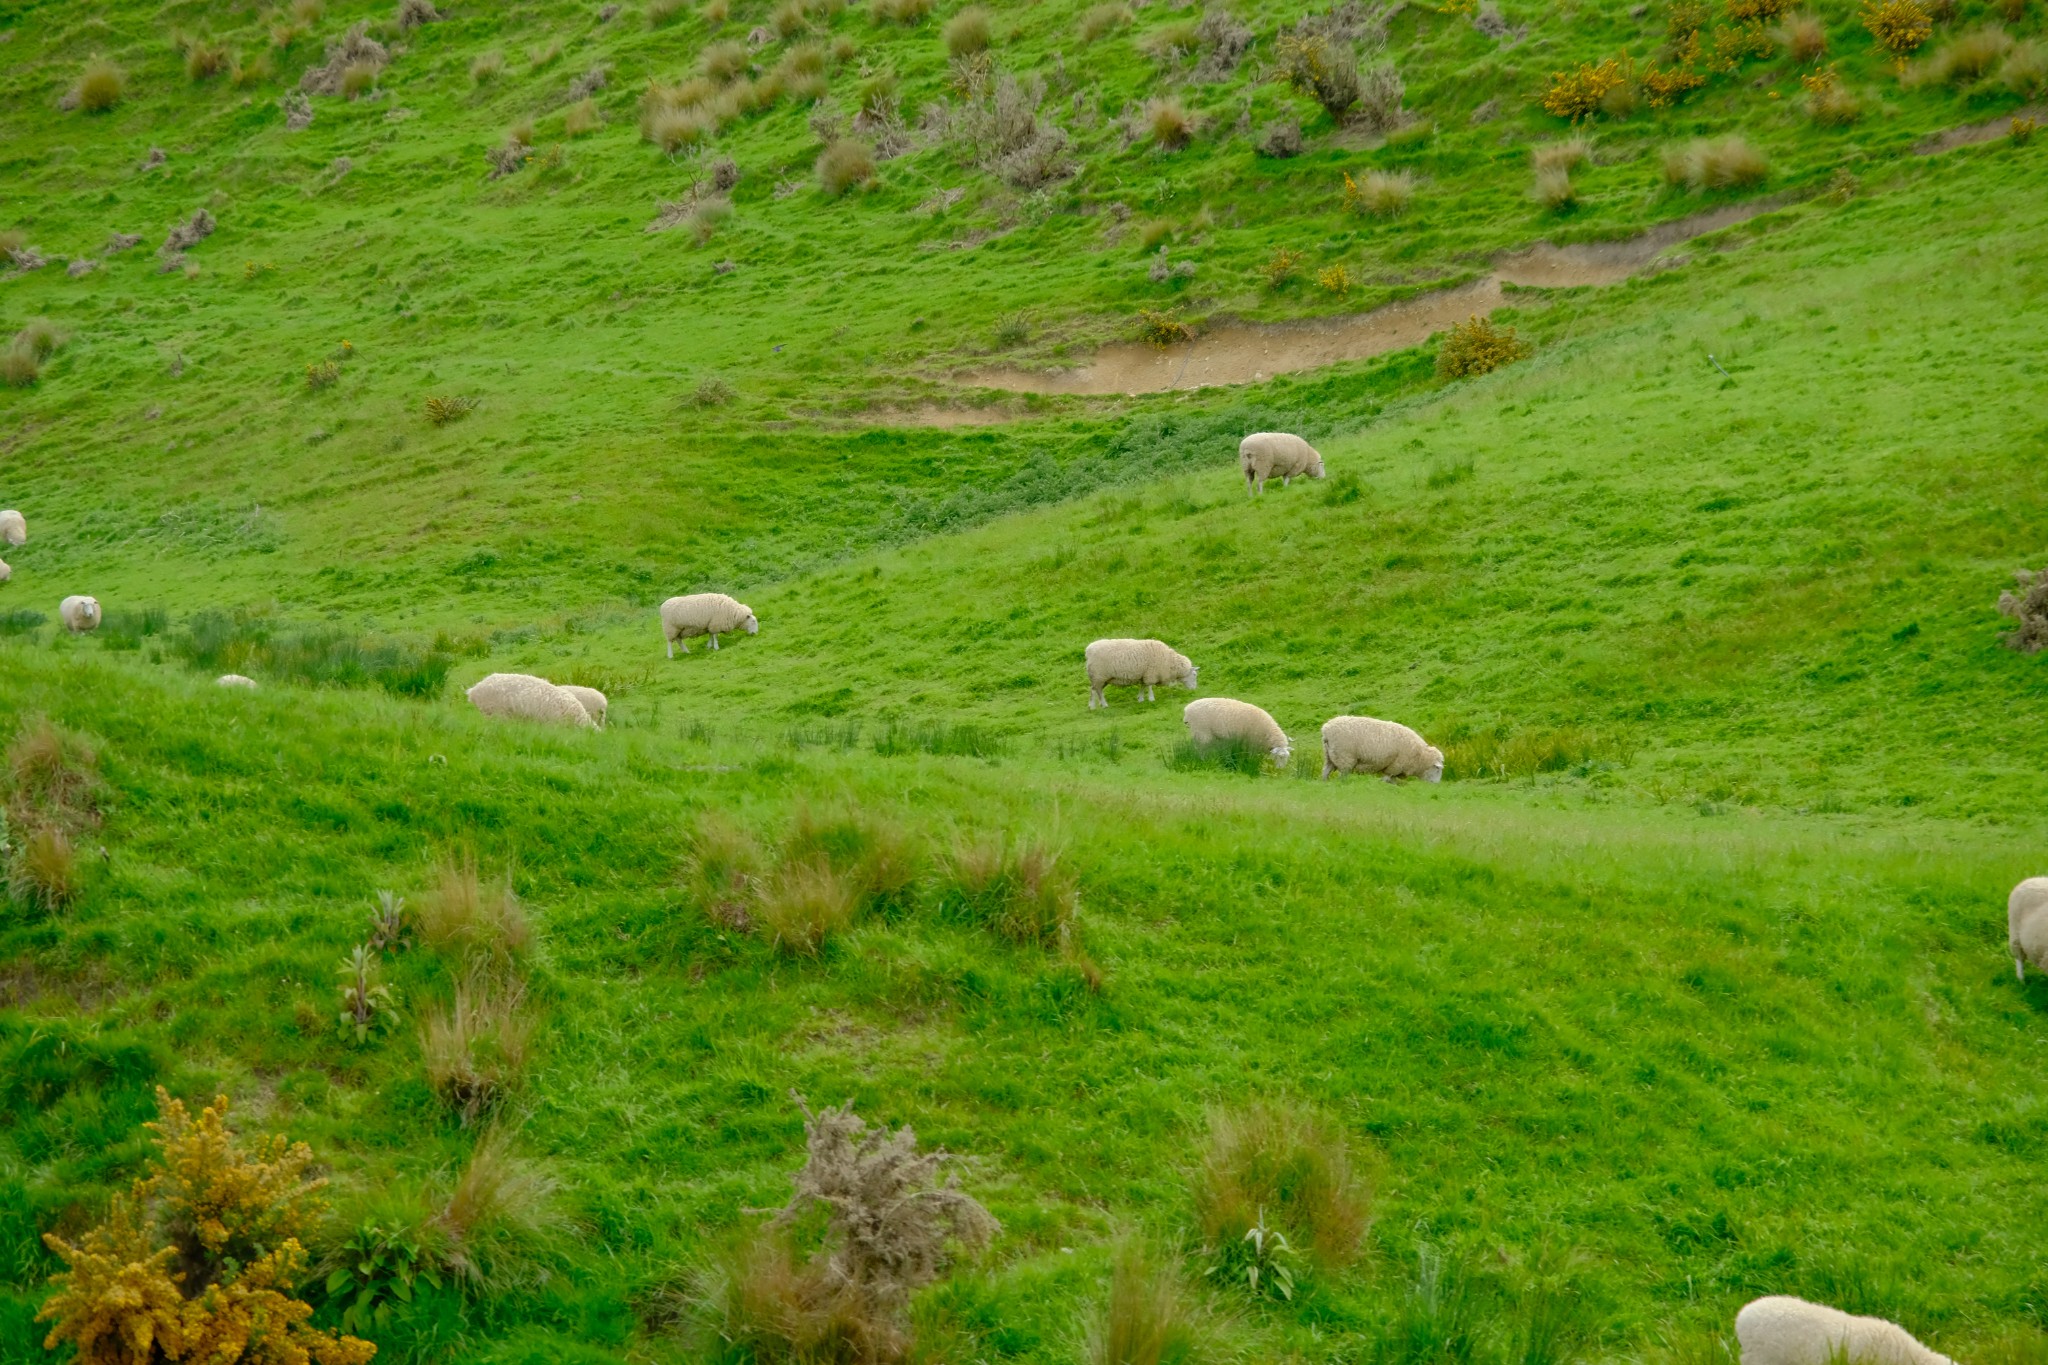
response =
{"points": [[1689, 984]]}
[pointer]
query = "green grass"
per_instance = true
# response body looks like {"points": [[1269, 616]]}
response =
{"points": [[1688, 984]]}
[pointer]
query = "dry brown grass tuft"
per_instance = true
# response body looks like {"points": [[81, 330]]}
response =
{"points": [[1969, 58], [1172, 41], [1149, 1317], [101, 86], [661, 13], [1016, 890], [19, 368], [802, 904], [205, 60], [487, 67], [846, 164], [2025, 72], [1553, 188], [480, 922], [788, 19], [43, 872], [2029, 608], [1566, 155], [1101, 20], [53, 773], [900, 11], [474, 1049], [359, 78], [767, 1305], [1805, 38], [308, 12], [499, 1197], [967, 32], [1168, 123], [1715, 164], [1292, 1166], [582, 117], [1379, 194]]}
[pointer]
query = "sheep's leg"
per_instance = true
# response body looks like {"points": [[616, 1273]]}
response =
{"points": [[2019, 965], [1095, 698], [714, 639], [1287, 481], [671, 649], [1328, 767]]}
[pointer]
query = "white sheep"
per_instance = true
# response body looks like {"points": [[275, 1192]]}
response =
{"points": [[1263, 454], [704, 613], [1214, 719], [79, 614], [13, 528], [1143, 664], [2026, 924], [1360, 744], [235, 680], [590, 699], [5, 572], [525, 697], [1780, 1330]]}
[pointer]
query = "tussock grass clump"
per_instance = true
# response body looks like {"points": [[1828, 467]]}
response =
{"points": [[101, 86], [662, 13], [474, 1049], [487, 67], [1172, 41], [1828, 101], [1554, 189], [481, 922], [354, 51], [827, 872], [1715, 164], [43, 872], [1475, 347], [762, 1303], [19, 367], [1016, 890], [847, 164], [1379, 194], [1242, 756], [219, 642], [53, 775], [1099, 21], [1805, 38], [1968, 58], [801, 904], [1566, 154], [501, 1208], [2029, 608], [723, 62], [1288, 1166], [1322, 68], [442, 409], [714, 13], [358, 79], [582, 117], [413, 13], [2025, 72], [904, 12], [204, 60], [1168, 123], [788, 19], [1148, 1318], [967, 33]]}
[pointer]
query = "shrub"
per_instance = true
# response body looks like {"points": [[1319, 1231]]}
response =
{"points": [[661, 13], [487, 67], [2029, 608], [1281, 140], [1715, 164], [2021, 130], [19, 367], [100, 87], [1148, 1318], [1475, 347], [474, 1048], [1575, 95], [900, 11], [1322, 68], [1805, 38], [1828, 101], [1171, 41], [1898, 26], [43, 872], [846, 164], [1969, 57], [481, 923], [1017, 891], [2025, 72], [1163, 329], [366, 1004], [1101, 20], [1380, 89], [1756, 11], [1382, 194], [205, 60], [967, 32], [441, 410], [322, 375], [1283, 265], [711, 393], [1553, 188], [1334, 279], [1663, 88], [413, 13], [199, 1256], [1168, 124], [1286, 1164]]}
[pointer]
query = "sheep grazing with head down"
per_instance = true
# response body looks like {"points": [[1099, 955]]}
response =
{"points": [[13, 528], [5, 573], [1785, 1331], [1220, 720], [2026, 924], [704, 613], [79, 614], [1267, 454], [235, 680], [1143, 664], [1360, 744], [521, 696], [590, 699]]}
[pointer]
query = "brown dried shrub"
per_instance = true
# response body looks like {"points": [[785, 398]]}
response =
{"points": [[354, 51], [845, 165], [2028, 607]]}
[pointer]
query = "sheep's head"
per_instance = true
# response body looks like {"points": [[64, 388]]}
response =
{"points": [[751, 626], [89, 613], [1435, 771], [1187, 679], [1281, 754], [1315, 471]]}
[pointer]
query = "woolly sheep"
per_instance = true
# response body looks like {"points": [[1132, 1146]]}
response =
{"points": [[1142, 664], [1360, 744], [1214, 719], [13, 528], [5, 573], [704, 613], [1785, 1331], [590, 699], [79, 614], [235, 680], [1264, 454], [525, 697], [2026, 924]]}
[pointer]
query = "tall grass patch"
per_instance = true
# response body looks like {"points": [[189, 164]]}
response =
{"points": [[241, 642], [1245, 757], [1286, 1165], [1016, 889], [1148, 1316], [474, 1048], [101, 86]]}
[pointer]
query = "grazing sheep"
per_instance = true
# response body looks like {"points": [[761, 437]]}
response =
{"points": [[590, 699], [5, 573], [1360, 744], [525, 697], [1785, 1331], [1263, 454], [1142, 664], [1214, 719], [13, 528], [704, 613], [235, 680], [79, 614], [2026, 924]]}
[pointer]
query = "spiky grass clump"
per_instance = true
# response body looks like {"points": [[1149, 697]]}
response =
{"points": [[661, 13], [43, 873], [1379, 194], [101, 86], [1099, 21], [487, 67], [582, 117], [1168, 124], [968, 32], [1804, 37], [845, 165], [1829, 102], [1566, 154], [499, 1211], [359, 78], [1017, 890], [1554, 189], [1288, 1165], [1148, 1318], [204, 60], [1968, 58], [2025, 72], [53, 774], [479, 921], [19, 368], [474, 1048], [905, 12], [1715, 164]]}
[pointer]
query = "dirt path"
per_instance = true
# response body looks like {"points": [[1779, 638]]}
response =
{"points": [[1970, 133], [1246, 353]]}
